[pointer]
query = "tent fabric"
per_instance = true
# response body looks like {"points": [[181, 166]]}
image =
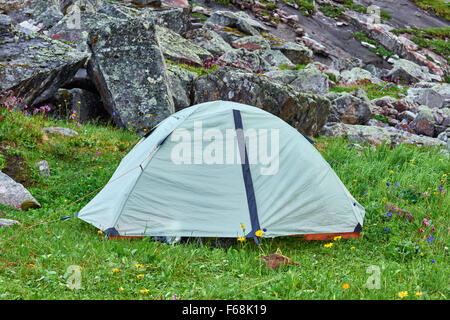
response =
{"points": [[150, 194]]}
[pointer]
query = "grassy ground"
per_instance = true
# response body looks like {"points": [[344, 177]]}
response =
{"points": [[439, 7], [35, 264]]}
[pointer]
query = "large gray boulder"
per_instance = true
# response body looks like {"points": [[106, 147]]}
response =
{"points": [[181, 85], [424, 123], [297, 53], [239, 20], [304, 111], [15, 195], [410, 72], [9, 5], [425, 96], [82, 17], [34, 66], [351, 108], [377, 135], [358, 74], [175, 19], [209, 40], [304, 80], [128, 69], [179, 49]]}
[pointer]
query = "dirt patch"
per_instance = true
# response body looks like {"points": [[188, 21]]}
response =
{"points": [[16, 166]]}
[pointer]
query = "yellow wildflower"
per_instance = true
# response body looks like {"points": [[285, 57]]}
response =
{"points": [[391, 171], [352, 248], [419, 293], [403, 294], [345, 286], [355, 180], [337, 238], [140, 276], [121, 289], [81, 268], [241, 239], [242, 226], [116, 270], [328, 245], [411, 164], [259, 233], [444, 175], [145, 291], [100, 232], [275, 293], [412, 160], [139, 265]]}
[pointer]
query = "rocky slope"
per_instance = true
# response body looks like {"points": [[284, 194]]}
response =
{"points": [[315, 64]]}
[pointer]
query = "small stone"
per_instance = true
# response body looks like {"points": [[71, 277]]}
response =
{"points": [[44, 168], [8, 223], [59, 130]]}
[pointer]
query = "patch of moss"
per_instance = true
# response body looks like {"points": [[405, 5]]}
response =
{"points": [[379, 49], [332, 11], [439, 7]]}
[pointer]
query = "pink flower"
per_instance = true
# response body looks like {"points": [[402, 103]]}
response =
{"points": [[425, 221]]}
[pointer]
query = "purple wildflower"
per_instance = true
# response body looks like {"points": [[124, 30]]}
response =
{"points": [[430, 239]]}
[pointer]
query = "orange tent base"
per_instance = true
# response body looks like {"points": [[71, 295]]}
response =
{"points": [[124, 237], [328, 236], [305, 237]]}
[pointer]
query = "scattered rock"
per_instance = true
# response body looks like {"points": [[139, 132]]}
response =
{"points": [[392, 208], [424, 122], [15, 195], [34, 66], [410, 72], [276, 260], [128, 69], [60, 131], [426, 96], [8, 223], [351, 108], [306, 112], [295, 52], [176, 48], [44, 168], [10, 5], [209, 40], [239, 20], [304, 80], [378, 135], [182, 85], [357, 74]]}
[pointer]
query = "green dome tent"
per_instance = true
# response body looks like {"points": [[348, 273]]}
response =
{"points": [[211, 167]]}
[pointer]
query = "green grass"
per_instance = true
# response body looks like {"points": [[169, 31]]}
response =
{"points": [[34, 265], [332, 11], [362, 36], [439, 7], [287, 67], [373, 91], [306, 7], [200, 71]]}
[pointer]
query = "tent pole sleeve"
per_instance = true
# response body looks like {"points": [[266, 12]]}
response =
{"points": [[248, 182]]}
